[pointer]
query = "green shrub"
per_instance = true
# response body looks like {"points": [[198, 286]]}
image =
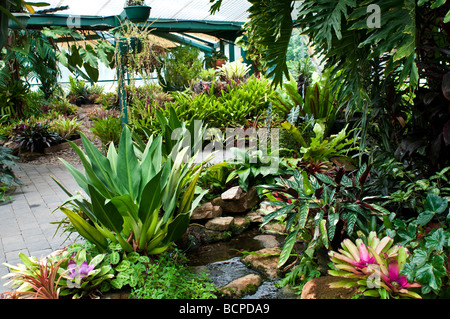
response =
{"points": [[239, 105], [65, 127], [169, 278], [7, 163], [34, 136], [108, 100], [13, 96], [107, 130], [427, 237], [183, 65]]}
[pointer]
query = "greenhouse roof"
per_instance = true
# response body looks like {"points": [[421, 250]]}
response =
{"points": [[166, 17], [231, 10]]}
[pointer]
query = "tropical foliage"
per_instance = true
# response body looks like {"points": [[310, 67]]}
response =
{"points": [[143, 204]]}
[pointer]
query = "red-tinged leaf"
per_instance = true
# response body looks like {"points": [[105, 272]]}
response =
{"points": [[363, 177]]}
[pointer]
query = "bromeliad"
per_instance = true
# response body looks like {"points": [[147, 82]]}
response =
{"points": [[356, 259], [373, 266]]}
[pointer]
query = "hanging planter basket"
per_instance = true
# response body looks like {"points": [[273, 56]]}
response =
{"points": [[138, 14], [132, 45], [23, 19]]}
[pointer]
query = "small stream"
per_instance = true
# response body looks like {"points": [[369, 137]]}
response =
{"points": [[222, 261], [224, 250]]}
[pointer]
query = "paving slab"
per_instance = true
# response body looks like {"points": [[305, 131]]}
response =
{"points": [[28, 223]]}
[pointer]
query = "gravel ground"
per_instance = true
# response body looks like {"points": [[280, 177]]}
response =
{"points": [[68, 154]]}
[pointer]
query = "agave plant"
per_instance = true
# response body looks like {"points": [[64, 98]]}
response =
{"points": [[373, 267], [143, 204]]}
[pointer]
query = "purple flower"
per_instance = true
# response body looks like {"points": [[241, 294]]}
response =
{"points": [[394, 280], [364, 257], [78, 271]]}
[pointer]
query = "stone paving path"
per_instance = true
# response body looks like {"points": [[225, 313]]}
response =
{"points": [[26, 221]]}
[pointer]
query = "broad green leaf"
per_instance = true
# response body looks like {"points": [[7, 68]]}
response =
{"points": [[89, 55], [101, 166], [435, 204], [287, 247], [326, 179], [303, 214], [447, 17], [126, 206], [277, 213], [128, 169], [86, 230], [432, 272], [424, 217], [110, 219], [150, 199], [351, 220], [188, 195], [323, 232], [437, 240], [112, 157], [177, 228], [90, 174], [77, 175], [333, 219], [93, 72], [308, 189]]}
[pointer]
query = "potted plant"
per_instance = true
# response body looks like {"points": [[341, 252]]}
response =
{"points": [[137, 11], [216, 59]]}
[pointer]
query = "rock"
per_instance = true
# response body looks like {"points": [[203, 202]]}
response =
{"points": [[246, 285], [268, 241], [240, 224], [220, 223], [254, 217], [206, 211], [318, 288], [245, 202], [265, 209], [233, 193], [223, 272], [274, 228], [265, 261], [198, 235]]}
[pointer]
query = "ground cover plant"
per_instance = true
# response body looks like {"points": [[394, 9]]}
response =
{"points": [[82, 271]]}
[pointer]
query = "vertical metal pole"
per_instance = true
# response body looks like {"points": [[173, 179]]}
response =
{"points": [[231, 52], [122, 94]]}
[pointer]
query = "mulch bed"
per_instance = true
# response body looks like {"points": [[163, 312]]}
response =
{"points": [[67, 154]]}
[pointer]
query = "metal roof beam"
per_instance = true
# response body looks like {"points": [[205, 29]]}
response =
{"points": [[183, 40], [228, 28]]}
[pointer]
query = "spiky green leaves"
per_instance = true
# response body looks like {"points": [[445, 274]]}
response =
{"points": [[127, 195]]}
